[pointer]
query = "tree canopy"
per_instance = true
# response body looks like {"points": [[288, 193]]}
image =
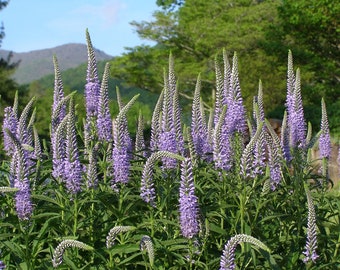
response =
{"points": [[261, 32]]}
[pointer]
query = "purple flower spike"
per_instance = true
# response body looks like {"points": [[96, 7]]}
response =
{"points": [[92, 87], [73, 174], [122, 144], [104, 122], [72, 166], [325, 138], [121, 165], [19, 174], [199, 130], [188, 202], [10, 122]]}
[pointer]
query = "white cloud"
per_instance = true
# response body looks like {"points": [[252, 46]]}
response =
{"points": [[104, 15]]}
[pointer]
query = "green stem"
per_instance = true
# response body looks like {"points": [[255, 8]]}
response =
{"points": [[75, 215]]}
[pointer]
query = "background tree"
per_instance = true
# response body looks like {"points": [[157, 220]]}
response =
{"points": [[195, 31], [310, 28], [261, 32]]}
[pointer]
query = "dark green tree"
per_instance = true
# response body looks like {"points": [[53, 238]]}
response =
{"points": [[195, 31], [261, 32]]}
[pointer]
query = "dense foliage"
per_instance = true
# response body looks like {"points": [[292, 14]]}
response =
{"points": [[92, 198]]}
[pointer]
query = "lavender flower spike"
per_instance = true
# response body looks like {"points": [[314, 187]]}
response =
{"points": [[19, 171], [228, 256], [311, 243], [296, 120], [58, 108], [72, 166], [104, 123], [10, 122], [92, 87], [188, 202], [325, 138]]}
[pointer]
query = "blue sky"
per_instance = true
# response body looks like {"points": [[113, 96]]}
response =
{"points": [[39, 24]]}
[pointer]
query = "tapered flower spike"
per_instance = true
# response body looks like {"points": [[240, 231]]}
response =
{"points": [[290, 86], [191, 146], [21, 133], [227, 76], [218, 151], [155, 123], [325, 138], [104, 117], [247, 155], [59, 150], [146, 244], [259, 151], [60, 249], [111, 237], [120, 156], [168, 134], [274, 158], [91, 170], [235, 111], [58, 107], [259, 102], [92, 86], [176, 114], [219, 93], [10, 122], [140, 142], [199, 131], [285, 139], [228, 256], [91, 92], [297, 123], [188, 201], [311, 243], [123, 123], [19, 174], [37, 145], [148, 193], [72, 166]]}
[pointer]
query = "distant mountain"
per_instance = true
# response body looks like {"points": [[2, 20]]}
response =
{"points": [[36, 64]]}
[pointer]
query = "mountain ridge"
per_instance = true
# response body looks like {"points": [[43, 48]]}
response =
{"points": [[36, 64]]}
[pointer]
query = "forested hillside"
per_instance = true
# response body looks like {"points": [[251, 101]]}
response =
{"points": [[34, 65]]}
